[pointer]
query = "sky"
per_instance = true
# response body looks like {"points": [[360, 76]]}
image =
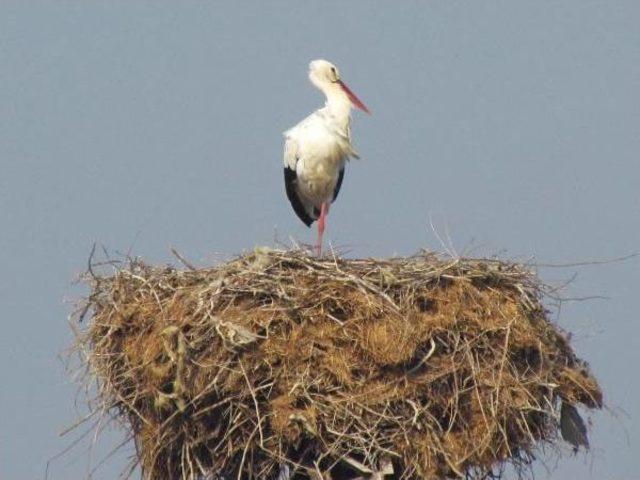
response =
{"points": [[503, 127]]}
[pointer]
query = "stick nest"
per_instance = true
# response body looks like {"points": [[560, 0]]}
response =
{"points": [[279, 363]]}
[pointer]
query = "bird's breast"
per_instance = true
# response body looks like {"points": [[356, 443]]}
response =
{"points": [[318, 168]]}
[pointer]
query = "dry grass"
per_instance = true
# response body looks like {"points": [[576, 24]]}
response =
{"points": [[427, 367]]}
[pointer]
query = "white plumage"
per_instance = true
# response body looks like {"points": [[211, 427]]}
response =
{"points": [[317, 148]]}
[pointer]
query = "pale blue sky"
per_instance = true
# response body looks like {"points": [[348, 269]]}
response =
{"points": [[514, 125]]}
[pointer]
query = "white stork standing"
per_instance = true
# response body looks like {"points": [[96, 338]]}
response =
{"points": [[317, 148]]}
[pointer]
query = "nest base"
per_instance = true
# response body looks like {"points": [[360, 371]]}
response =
{"points": [[279, 362]]}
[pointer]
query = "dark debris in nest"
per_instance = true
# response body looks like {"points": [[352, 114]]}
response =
{"points": [[280, 363]]}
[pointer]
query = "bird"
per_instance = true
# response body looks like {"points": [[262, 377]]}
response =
{"points": [[572, 427], [317, 149]]}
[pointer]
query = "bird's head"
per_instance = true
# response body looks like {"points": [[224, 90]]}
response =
{"points": [[325, 76], [322, 71]]}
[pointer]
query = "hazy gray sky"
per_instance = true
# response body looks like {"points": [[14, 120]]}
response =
{"points": [[514, 125]]}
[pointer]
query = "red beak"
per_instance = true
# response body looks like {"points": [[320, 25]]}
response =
{"points": [[352, 96]]}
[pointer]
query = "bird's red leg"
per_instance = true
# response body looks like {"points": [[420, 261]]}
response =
{"points": [[321, 225]]}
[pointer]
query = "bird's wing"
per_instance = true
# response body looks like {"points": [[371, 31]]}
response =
{"points": [[338, 184], [290, 151], [291, 180]]}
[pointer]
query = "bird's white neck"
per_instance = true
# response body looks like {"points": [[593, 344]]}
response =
{"points": [[338, 104]]}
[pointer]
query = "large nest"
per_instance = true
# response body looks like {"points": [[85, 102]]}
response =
{"points": [[279, 363]]}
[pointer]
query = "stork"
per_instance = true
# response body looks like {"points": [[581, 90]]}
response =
{"points": [[317, 148]]}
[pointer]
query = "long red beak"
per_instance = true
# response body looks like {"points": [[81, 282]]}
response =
{"points": [[352, 96]]}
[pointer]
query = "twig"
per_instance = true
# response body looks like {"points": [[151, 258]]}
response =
{"points": [[184, 261]]}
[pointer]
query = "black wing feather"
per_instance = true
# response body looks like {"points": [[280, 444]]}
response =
{"points": [[290, 179], [338, 184]]}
